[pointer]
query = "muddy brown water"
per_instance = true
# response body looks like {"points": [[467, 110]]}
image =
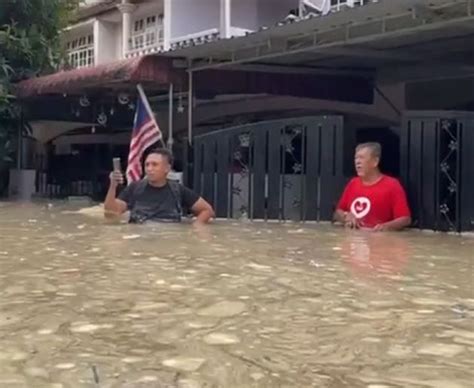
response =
{"points": [[85, 303]]}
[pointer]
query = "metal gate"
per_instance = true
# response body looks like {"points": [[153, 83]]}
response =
{"points": [[437, 167], [276, 170]]}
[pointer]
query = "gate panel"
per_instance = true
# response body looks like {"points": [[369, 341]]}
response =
{"points": [[467, 175], [405, 137], [313, 153], [331, 151], [209, 169], [414, 171], [274, 173], [272, 170], [198, 167], [428, 179], [259, 173], [448, 175], [293, 164], [437, 169], [240, 153], [222, 205]]}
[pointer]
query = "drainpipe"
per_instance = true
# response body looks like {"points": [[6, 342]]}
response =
{"points": [[170, 118], [190, 106], [19, 158], [126, 9]]}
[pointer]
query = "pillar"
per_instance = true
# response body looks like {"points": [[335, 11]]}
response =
{"points": [[126, 9], [225, 19], [167, 24]]}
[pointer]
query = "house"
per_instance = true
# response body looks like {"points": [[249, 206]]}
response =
{"points": [[364, 67]]}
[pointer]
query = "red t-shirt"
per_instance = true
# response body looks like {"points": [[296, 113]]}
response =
{"points": [[375, 204]]}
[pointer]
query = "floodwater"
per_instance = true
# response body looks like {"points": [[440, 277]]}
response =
{"points": [[84, 303]]}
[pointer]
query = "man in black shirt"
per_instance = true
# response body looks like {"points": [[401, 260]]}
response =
{"points": [[155, 198]]}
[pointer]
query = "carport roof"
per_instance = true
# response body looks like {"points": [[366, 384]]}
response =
{"points": [[377, 36]]}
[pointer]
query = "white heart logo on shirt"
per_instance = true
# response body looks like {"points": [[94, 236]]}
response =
{"points": [[360, 207]]}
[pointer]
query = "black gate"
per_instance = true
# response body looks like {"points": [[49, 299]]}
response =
{"points": [[437, 167], [276, 170]]}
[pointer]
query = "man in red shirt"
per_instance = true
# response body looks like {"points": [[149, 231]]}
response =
{"points": [[372, 200]]}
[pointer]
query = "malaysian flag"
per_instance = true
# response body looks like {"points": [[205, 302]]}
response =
{"points": [[146, 132]]}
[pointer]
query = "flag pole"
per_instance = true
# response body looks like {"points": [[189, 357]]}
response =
{"points": [[150, 112]]}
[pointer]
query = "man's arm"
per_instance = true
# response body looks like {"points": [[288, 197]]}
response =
{"points": [[400, 209], [394, 225], [340, 216], [203, 211], [198, 205], [112, 205]]}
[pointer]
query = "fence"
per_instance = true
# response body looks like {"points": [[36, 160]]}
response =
{"points": [[275, 170], [437, 167]]}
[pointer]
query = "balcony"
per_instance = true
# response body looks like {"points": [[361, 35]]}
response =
{"points": [[195, 38], [147, 37], [80, 51], [339, 5]]}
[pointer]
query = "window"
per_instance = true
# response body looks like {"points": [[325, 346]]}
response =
{"points": [[147, 32], [336, 5], [81, 51]]}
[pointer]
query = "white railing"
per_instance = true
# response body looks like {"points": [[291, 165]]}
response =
{"points": [[149, 41], [196, 38], [82, 57], [340, 4], [326, 6]]}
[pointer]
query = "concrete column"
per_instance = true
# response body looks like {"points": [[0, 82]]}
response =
{"points": [[126, 9], [97, 38], [167, 15], [225, 18]]}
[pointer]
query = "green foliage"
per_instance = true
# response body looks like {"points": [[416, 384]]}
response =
{"points": [[29, 45]]}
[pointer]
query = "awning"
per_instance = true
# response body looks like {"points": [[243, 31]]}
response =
{"points": [[128, 72]]}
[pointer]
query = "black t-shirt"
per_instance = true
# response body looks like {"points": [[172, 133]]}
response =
{"points": [[157, 203]]}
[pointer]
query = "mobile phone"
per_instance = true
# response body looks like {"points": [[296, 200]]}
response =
{"points": [[117, 164]]}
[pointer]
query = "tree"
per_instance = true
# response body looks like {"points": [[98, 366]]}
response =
{"points": [[29, 45]]}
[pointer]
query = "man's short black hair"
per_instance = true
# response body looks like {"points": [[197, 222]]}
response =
{"points": [[163, 152]]}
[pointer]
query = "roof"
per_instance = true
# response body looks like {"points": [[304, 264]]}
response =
{"points": [[387, 33], [98, 8], [94, 9], [155, 70]]}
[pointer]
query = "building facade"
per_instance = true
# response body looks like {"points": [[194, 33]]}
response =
{"points": [[106, 31], [278, 73]]}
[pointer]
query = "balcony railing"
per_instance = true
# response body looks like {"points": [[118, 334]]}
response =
{"points": [[149, 41], [82, 57], [195, 38]]}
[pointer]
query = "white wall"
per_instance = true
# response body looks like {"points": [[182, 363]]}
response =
{"points": [[253, 14], [189, 17], [244, 14], [107, 38], [270, 12], [148, 9], [118, 40]]}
